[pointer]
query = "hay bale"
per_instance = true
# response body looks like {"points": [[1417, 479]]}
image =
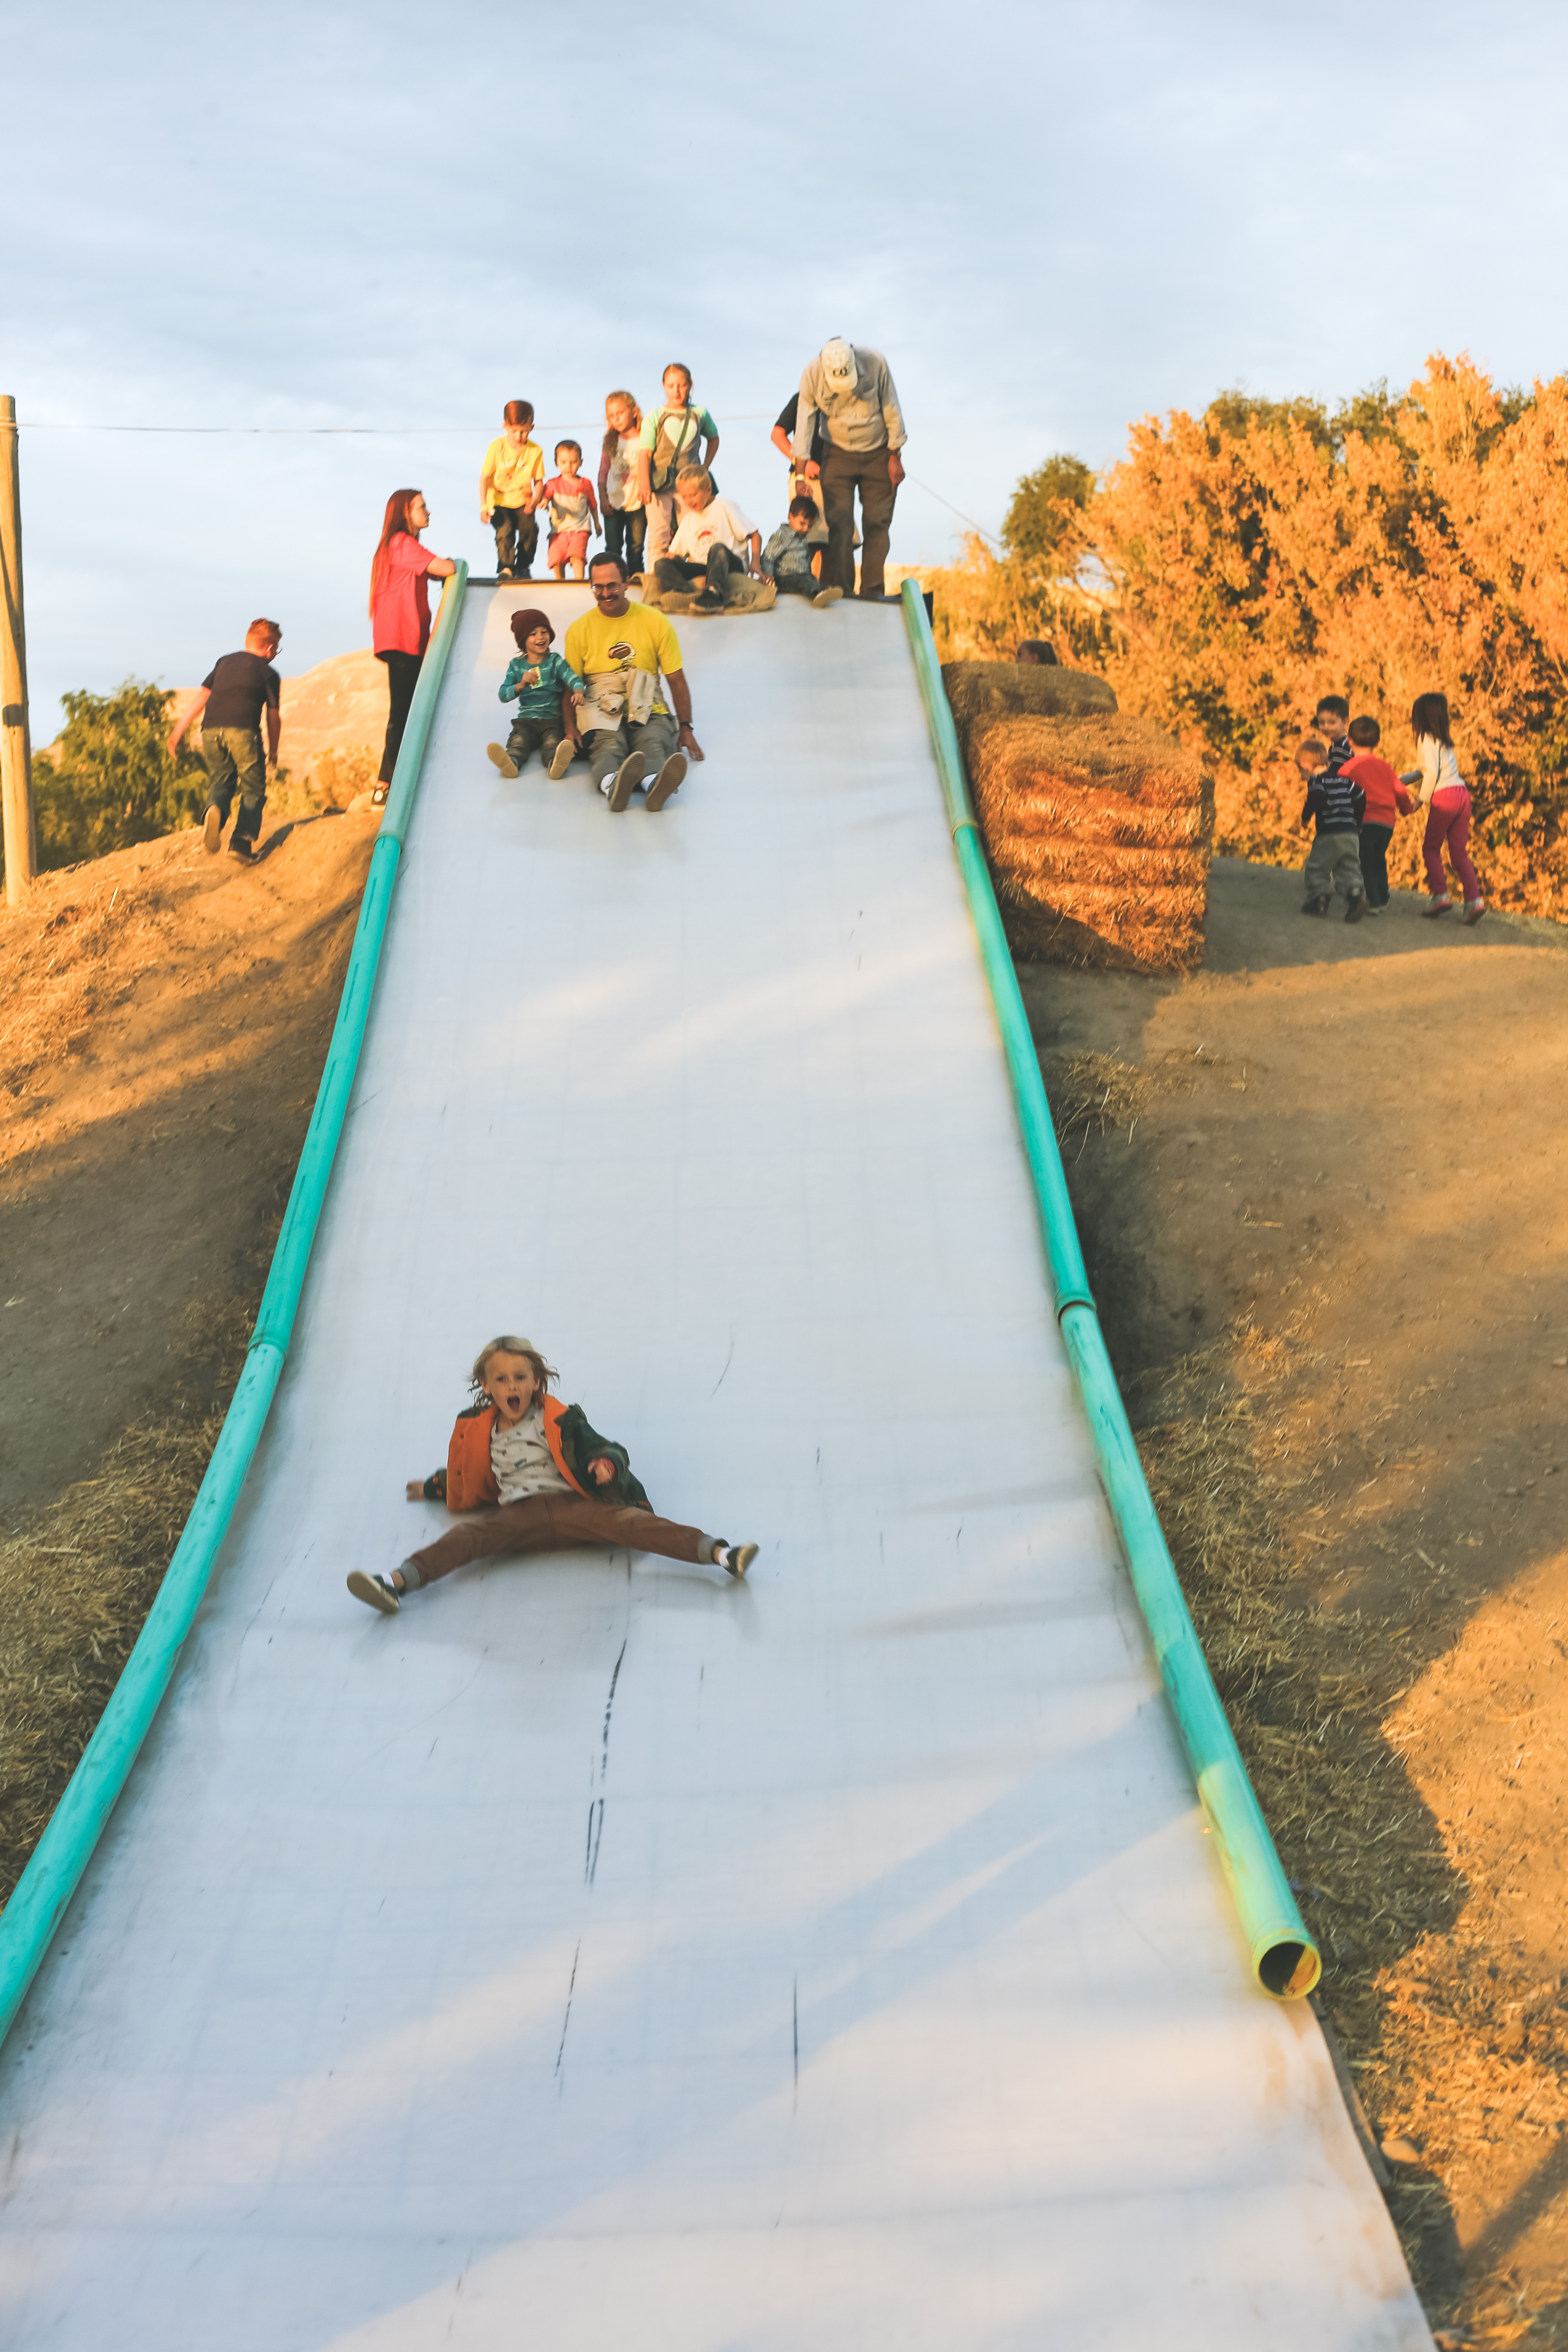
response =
{"points": [[979, 691], [1100, 830]]}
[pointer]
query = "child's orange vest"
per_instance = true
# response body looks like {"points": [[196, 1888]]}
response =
{"points": [[470, 1478]]}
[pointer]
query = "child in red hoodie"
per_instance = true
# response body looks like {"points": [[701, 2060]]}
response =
{"points": [[1386, 802], [552, 1479]]}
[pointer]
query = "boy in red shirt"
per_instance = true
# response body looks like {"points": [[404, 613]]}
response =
{"points": [[1386, 802]]}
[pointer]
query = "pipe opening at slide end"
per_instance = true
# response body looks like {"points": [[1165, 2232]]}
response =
{"points": [[1290, 1970]]}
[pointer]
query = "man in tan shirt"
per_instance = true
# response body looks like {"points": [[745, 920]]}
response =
{"points": [[848, 388]]}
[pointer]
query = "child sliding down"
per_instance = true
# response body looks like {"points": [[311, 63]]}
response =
{"points": [[549, 695], [555, 1482]]}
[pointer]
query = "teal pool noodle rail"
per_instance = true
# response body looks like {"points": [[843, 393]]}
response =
{"points": [[1285, 1961], [62, 1854]]}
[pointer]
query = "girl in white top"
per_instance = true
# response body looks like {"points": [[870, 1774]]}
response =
{"points": [[1446, 798], [620, 500]]}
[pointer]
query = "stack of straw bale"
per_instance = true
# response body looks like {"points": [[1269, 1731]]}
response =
{"points": [[1098, 826]]}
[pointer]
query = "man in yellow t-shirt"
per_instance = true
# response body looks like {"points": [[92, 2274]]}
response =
{"points": [[629, 658], [509, 482]]}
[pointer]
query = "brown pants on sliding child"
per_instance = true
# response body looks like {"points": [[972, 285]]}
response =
{"points": [[549, 1523]]}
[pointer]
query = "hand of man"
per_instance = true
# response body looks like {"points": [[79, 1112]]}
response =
{"points": [[895, 467], [602, 1470], [812, 470], [484, 514], [688, 743]]}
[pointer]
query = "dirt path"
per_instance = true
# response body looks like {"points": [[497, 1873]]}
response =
{"points": [[1321, 1189]]}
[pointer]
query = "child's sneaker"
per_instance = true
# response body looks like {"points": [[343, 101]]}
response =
{"points": [[1474, 911], [499, 757], [1438, 907], [707, 602], [826, 596], [630, 772], [375, 1591], [734, 1559], [1315, 906], [669, 779], [565, 752], [212, 831], [1355, 907]]}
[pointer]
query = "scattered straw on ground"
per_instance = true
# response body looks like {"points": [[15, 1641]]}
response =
{"points": [[1451, 2055], [76, 1584]]}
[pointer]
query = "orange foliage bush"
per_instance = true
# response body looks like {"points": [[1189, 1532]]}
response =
{"points": [[1238, 565]]}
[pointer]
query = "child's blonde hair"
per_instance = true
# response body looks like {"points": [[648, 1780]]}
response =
{"points": [[697, 478], [612, 432], [509, 1344], [1309, 748]]}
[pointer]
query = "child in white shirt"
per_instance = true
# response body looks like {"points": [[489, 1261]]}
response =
{"points": [[712, 541]]}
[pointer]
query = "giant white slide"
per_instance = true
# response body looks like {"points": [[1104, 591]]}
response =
{"points": [[600, 1952]]}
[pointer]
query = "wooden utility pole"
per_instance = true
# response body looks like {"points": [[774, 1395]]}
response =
{"points": [[16, 743]]}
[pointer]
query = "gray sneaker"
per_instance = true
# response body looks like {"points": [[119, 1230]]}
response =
{"points": [[630, 772], [375, 1591], [669, 779]]}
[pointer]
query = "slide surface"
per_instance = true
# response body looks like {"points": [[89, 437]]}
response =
{"points": [[600, 1952]]}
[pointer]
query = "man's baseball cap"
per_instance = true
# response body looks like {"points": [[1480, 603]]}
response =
{"points": [[838, 361]]}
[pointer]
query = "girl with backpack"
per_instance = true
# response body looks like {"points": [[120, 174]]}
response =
{"points": [[672, 444]]}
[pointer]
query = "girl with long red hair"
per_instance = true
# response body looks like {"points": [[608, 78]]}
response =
{"points": [[400, 612]]}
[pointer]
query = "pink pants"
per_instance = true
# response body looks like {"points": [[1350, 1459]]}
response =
{"points": [[1449, 820]]}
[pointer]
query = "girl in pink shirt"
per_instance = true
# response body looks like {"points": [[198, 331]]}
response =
{"points": [[400, 613]]}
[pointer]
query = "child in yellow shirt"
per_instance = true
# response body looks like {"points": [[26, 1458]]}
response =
{"points": [[509, 481]]}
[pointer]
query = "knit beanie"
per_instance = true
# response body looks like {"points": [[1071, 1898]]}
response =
{"points": [[525, 622]]}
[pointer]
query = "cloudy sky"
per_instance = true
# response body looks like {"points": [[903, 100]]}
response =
{"points": [[1051, 218]]}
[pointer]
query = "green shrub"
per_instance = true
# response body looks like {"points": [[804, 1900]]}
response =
{"points": [[112, 782]]}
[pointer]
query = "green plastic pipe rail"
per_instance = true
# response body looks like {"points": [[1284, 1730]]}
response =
{"points": [[62, 1854], [1284, 1959]]}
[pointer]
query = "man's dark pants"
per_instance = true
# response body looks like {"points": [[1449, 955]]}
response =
{"points": [[1375, 841], [540, 735], [675, 573], [234, 759], [843, 472], [517, 537]]}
